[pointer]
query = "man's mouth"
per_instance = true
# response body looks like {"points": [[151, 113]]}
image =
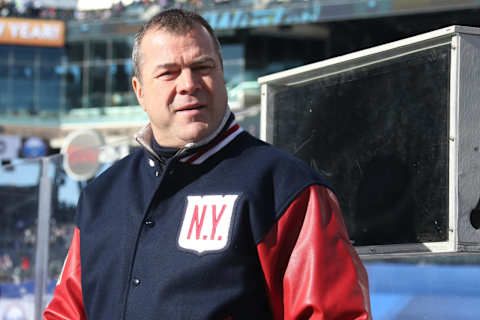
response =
{"points": [[190, 107]]}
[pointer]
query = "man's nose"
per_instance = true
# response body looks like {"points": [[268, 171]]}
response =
{"points": [[188, 82]]}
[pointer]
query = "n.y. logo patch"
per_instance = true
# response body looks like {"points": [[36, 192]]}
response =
{"points": [[206, 225]]}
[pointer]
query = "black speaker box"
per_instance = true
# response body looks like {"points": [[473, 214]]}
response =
{"points": [[395, 129]]}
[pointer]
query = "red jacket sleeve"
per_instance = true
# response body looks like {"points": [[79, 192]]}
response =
{"points": [[311, 269], [67, 302]]}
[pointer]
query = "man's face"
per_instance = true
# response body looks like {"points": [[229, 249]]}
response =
{"points": [[182, 88]]}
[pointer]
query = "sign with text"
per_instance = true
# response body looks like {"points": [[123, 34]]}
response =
{"points": [[81, 151], [32, 32], [9, 146]]}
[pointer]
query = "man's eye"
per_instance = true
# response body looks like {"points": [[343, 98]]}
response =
{"points": [[203, 68], [168, 73]]}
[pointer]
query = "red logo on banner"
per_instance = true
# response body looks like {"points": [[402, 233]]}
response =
{"points": [[80, 154]]}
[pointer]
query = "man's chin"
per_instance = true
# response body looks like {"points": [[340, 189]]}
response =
{"points": [[196, 132]]}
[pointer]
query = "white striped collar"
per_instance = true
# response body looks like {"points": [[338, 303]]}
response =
{"points": [[144, 136], [199, 157]]}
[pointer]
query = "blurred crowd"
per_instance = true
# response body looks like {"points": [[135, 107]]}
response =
{"points": [[134, 9], [16, 261], [27, 9], [34, 9]]}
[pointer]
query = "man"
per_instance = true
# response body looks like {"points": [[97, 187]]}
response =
{"points": [[205, 222]]}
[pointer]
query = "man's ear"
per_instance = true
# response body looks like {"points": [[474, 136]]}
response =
{"points": [[137, 87]]}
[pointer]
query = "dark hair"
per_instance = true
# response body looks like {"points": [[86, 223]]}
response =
{"points": [[176, 21]]}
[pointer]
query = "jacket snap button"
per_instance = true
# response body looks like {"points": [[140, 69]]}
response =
{"points": [[149, 222], [136, 282]]}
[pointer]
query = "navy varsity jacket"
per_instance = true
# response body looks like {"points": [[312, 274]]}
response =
{"points": [[234, 230]]}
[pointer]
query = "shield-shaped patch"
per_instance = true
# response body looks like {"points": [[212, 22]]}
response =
{"points": [[207, 222]]}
